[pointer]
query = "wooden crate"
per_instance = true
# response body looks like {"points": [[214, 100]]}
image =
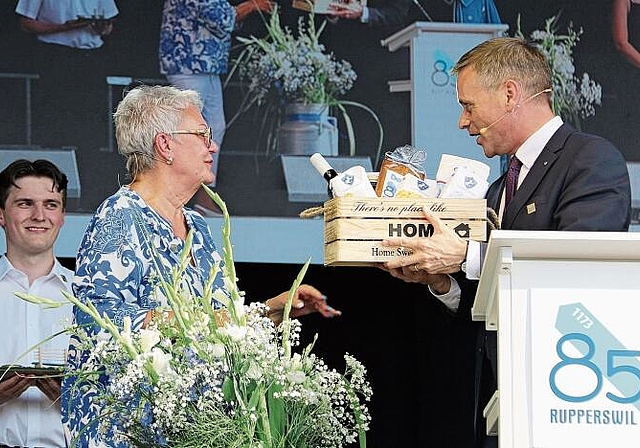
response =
{"points": [[355, 227]]}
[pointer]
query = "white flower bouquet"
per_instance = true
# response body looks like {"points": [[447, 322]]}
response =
{"points": [[574, 98], [287, 67], [200, 377], [295, 68]]}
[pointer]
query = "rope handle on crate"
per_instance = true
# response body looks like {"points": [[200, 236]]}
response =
{"points": [[312, 212], [492, 219]]}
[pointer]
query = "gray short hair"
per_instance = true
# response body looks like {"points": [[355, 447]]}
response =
{"points": [[502, 58], [142, 114]]}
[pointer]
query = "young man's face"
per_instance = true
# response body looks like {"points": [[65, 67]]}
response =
{"points": [[32, 216]]}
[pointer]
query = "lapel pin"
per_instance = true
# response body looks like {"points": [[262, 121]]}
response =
{"points": [[531, 208]]}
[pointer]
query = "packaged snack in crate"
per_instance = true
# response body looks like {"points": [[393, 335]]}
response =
{"points": [[396, 164], [412, 187], [459, 177], [353, 182]]}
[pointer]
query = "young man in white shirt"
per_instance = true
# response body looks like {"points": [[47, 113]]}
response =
{"points": [[32, 209]]}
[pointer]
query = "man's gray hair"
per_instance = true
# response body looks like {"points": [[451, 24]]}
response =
{"points": [[144, 112], [502, 58]]}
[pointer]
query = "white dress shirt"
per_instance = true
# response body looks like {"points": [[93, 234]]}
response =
{"points": [[32, 419]]}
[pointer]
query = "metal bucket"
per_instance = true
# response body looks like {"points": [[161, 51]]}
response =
{"points": [[308, 129]]}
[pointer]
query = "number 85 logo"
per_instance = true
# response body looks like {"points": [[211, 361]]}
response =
{"points": [[615, 366]]}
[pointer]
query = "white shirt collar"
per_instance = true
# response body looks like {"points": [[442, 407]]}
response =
{"points": [[529, 151], [64, 275]]}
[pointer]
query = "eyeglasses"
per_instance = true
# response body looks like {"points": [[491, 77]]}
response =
{"points": [[204, 133]]}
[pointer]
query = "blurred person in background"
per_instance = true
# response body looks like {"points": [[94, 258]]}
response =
{"points": [[68, 53], [195, 39]]}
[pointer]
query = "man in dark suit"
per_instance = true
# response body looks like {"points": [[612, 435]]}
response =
{"points": [[567, 180]]}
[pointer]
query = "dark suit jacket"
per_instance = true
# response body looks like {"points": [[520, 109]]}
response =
{"points": [[578, 183]]}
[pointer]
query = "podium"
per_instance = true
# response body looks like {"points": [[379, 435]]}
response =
{"points": [[434, 48], [566, 307]]}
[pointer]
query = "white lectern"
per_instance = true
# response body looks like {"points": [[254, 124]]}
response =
{"points": [[434, 48], [566, 306]]}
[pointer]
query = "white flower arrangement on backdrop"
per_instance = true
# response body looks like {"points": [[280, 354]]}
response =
{"points": [[294, 68], [199, 377], [574, 98], [287, 67]]}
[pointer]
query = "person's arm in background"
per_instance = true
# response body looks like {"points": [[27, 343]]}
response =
{"points": [[39, 27], [245, 9], [620, 31], [393, 14]]}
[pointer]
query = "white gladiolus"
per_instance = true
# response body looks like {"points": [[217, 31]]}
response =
{"points": [[296, 377], [217, 350], [233, 332], [103, 336], [126, 324], [254, 372], [126, 331], [160, 361], [148, 339]]}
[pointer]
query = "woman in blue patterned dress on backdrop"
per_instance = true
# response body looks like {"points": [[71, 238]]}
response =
{"points": [[138, 234], [195, 38]]}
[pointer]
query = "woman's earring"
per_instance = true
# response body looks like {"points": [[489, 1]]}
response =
{"points": [[170, 161]]}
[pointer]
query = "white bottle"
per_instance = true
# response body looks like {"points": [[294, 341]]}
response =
{"points": [[326, 170]]}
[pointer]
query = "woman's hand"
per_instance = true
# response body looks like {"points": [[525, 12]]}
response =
{"points": [[306, 300], [263, 5]]}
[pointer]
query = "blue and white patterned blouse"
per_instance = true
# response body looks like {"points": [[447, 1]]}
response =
{"points": [[195, 36], [126, 247]]}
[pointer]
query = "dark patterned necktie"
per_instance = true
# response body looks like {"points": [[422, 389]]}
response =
{"points": [[511, 183]]}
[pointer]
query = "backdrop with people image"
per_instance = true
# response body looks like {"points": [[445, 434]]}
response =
{"points": [[69, 100]]}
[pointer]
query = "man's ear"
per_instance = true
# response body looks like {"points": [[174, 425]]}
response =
{"points": [[2, 222], [513, 94]]}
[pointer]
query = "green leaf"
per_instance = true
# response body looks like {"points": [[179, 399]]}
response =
{"points": [[254, 398], [277, 413], [343, 103], [228, 389]]}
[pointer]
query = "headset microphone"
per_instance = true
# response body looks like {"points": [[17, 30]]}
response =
{"points": [[486, 128]]}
